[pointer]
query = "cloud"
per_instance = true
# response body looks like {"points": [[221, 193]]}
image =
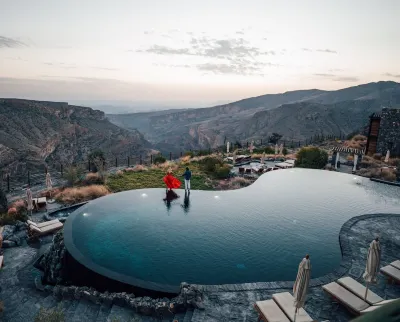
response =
{"points": [[392, 75], [336, 70], [104, 68], [16, 58], [240, 32], [164, 50], [60, 65], [337, 78], [6, 42], [346, 79], [230, 55], [329, 51], [325, 75]]}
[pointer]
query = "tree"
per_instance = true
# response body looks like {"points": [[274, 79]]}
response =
{"points": [[311, 157], [284, 151], [274, 138], [3, 201], [238, 145], [97, 159]]}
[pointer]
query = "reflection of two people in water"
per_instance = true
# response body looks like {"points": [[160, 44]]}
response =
{"points": [[171, 195]]}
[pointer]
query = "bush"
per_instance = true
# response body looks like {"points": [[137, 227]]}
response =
{"points": [[222, 172], [97, 160], [50, 315], [159, 159], [73, 175], [93, 178], [311, 157], [3, 201], [209, 164], [284, 151], [12, 212], [80, 194]]}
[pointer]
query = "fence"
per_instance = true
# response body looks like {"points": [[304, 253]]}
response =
{"points": [[37, 176]]}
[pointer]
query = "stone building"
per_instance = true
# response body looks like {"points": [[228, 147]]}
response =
{"points": [[384, 133]]}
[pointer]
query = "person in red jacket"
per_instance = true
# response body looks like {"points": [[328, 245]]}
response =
{"points": [[170, 181]]}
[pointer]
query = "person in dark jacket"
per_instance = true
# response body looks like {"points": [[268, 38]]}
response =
{"points": [[187, 175]]}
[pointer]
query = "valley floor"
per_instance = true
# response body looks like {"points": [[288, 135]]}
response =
{"points": [[22, 300]]}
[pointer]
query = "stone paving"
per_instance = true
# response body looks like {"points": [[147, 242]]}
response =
{"points": [[22, 300]]}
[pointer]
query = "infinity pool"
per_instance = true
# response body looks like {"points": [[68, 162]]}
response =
{"points": [[259, 233]]}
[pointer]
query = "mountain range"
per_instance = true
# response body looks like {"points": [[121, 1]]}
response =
{"points": [[297, 115], [34, 134]]}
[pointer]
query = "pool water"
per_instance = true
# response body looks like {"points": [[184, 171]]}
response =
{"points": [[255, 234]]}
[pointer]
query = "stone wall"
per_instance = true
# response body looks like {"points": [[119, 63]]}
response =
{"points": [[389, 132]]}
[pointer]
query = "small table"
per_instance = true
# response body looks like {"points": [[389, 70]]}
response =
{"points": [[39, 203]]}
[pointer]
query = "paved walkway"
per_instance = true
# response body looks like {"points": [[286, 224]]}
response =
{"points": [[22, 300]]}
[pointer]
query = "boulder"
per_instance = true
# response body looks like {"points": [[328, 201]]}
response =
{"points": [[8, 231]]}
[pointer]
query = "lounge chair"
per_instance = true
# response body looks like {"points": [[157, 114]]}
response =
{"points": [[358, 289], [269, 311], [285, 301], [392, 273], [396, 264], [351, 301], [35, 231], [42, 224]]}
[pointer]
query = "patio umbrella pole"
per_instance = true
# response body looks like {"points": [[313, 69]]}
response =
{"points": [[295, 313], [366, 291]]}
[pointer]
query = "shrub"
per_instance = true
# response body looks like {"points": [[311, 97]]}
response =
{"points": [[119, 173], [189, 154], [284, 151], [97, 160], [80, 194], [93, 178], [377, 156], [209, 164], [50, 315], [73, 175], [359, 137], [139, 168], [222, 172], [12, 212], [311, 157], [20, 206], [159, 159]]}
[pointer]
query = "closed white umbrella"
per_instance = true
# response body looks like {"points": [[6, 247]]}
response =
{"points": [[276, 148], [29, 200], [387, 156], [234, 157], [263, 158], [251, 146], [49, 185], [373, 263], [300, 286], [227, 147], [281, 149]]}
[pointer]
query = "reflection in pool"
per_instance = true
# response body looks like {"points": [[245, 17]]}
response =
{"points": [[259, 233]]}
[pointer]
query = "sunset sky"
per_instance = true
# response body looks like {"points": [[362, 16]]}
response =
{"points": [[193, 51]]}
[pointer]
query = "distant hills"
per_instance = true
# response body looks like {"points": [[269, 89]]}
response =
{"points": [[34, 133], [295, 115]]}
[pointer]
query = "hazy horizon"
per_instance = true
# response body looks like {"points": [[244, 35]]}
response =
{"points": [[195, 54]]}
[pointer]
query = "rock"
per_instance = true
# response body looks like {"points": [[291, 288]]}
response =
{"points": [[8, 230], [38, 283], [8, 244], [15, 239]]}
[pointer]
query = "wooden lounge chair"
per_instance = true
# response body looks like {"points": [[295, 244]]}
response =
{"points": [[35, 231], [285, 301], [269, 311], [358, 289], [351, 301], [396, 264], [392, 273], [42, 224]]}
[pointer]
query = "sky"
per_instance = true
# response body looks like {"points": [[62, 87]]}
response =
{"points": [[193, 52]]}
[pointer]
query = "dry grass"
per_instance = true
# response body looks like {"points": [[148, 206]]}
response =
{"points": [[357, 142], [93, 178], [80, 194], [234, 183], [387, 174]]}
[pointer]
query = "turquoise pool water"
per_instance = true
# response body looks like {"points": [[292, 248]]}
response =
{"points": [[258, 233]]}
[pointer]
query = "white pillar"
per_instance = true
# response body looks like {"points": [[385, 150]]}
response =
{"points": [[337, 159], [355, 162]]}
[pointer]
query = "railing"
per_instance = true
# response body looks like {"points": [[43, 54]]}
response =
{"points": [[37, 177]]}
